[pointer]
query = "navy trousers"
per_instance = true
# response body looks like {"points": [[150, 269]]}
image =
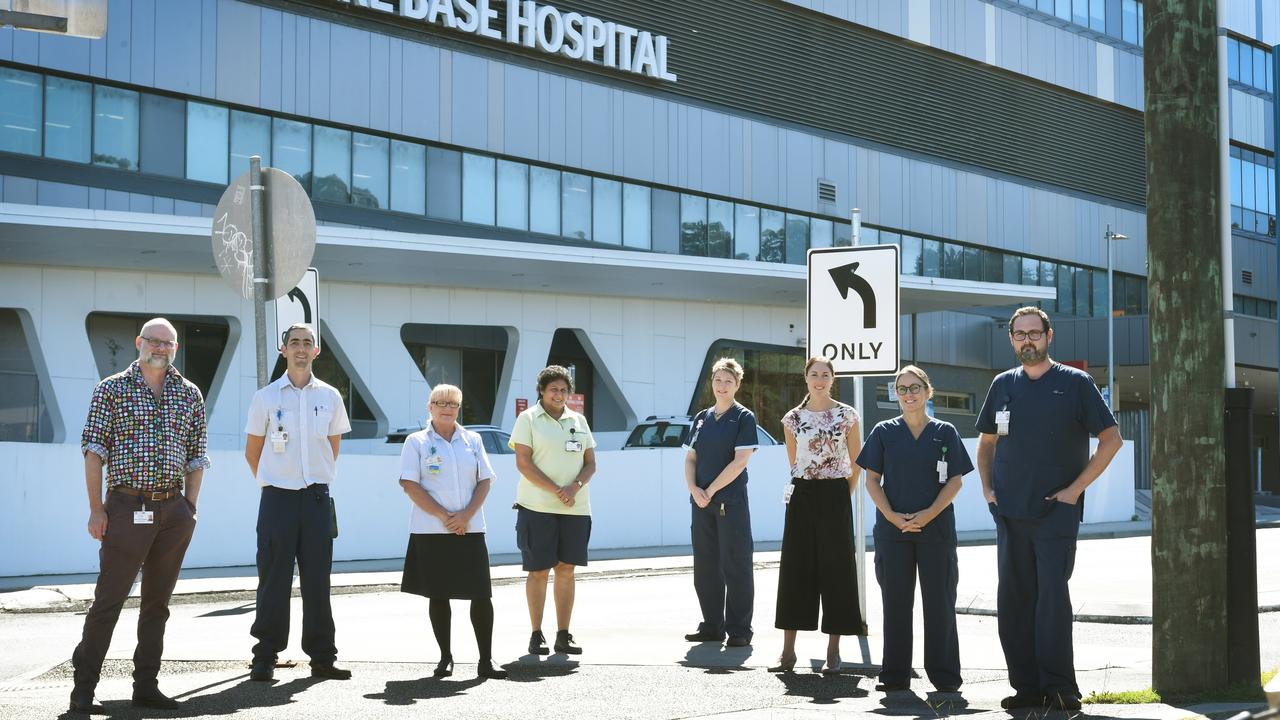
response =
{"points": [[898, 562], [1033, 603], [293, 525], [722, 571]]}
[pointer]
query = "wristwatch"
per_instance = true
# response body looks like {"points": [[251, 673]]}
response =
{"points": [[579, 483]]}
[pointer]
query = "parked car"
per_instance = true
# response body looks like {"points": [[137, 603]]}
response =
{"points": [[658, 431], [494, 438]]}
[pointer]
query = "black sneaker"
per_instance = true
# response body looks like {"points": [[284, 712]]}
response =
{"points": [[565, 644], [262, 670], [538, 644], [1023, 700], [329, 671], [155, 700]]}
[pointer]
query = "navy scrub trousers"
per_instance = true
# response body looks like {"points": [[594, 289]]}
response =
{"points": [[909, 477], [723, 574], [294, 524], [1046, 448]]}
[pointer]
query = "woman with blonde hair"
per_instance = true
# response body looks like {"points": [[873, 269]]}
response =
{"points": [[715, 469], [817, 566]]}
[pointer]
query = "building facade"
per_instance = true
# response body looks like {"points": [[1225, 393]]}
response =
{"points": [[627, 188]]}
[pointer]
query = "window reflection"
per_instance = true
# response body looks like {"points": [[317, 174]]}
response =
{"points": [[773, 236], [444, 183], [369, 158], [513, 195], [408, 177], [693, 225], [291, 149], [478, 189], [544, 200], [21, 103], [115, 127], [606, 216], [67, 121], [575, 209], [332, 179], [207, 142], [746, 228], [636, 216], [797, 238], [719, 228], [250, 135]]}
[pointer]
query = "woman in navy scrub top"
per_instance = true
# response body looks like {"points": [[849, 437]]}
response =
{"points": [[914, 464], [720, 444]]}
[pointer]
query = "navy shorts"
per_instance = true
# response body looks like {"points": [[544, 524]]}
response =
{"points": [[546, 539]]}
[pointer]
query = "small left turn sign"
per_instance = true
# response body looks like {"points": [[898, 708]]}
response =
{"points": [[853, 308]]}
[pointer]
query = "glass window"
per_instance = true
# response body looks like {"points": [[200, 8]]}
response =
{"points": [[291, 149], [332, 180], [773, 247], [606, 215], [1129, 21], [575, 208], [1062, 8], [932, 258], [1235, 179], [67, 119], [479, 188], [637, 216], [1098, 15], [1133, 304], [1066, 298], [444, 183], [843, 235], [513, 195], [746, 232], [115, 127], [163, 134], [1030, 271], [207, 141], [1246, 64], [1080, 277], [1049, 278], [1012, 271], [1233, 59], [1260, 187], [24, 416], [912, 257], [21, 104], [1099, 293], [250, 135], [544, 200], [1141, 25], [885, 237], [1080, 12], [693, 225], [872, 236], [369, 157], [719, 228], [772, 381], [797, 238], [952, 261], [972, 263], [1259, 68], [408, 177], [820, 233], [666, 221], [993, 266]]}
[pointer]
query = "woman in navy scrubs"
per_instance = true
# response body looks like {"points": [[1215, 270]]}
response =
{"points": [[721, 443], [914, 464]]}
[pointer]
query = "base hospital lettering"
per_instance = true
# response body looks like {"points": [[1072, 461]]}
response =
{"points": [[852, 351], [544, 28]]}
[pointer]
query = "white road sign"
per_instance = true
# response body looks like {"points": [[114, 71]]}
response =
{"points": [[853, 308], [301, 305]]}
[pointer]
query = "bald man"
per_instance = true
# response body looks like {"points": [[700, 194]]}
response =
{"points": [[146, 425]]}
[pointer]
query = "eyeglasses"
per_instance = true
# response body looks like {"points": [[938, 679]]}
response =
{"points": [[158, 343], [1032, 335], [912, 389], [450, 405]]}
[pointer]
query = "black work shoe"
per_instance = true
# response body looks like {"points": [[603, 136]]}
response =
{"points": [[262, 670], [565, 644], [1023, 700], [82, 702], [538, 644], [947, 688], [738, 641], [704, 636], [892, 687], [1064, 700], [155, 700], [329, 671]]}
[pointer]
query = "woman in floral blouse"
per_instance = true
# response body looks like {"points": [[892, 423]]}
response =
{"points": [[817, 566]]}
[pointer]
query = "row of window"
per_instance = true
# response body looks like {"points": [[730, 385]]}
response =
{"points": [[1253, 191], [1124, 21], [164, 136], [1249, 64], [1254, 307]]}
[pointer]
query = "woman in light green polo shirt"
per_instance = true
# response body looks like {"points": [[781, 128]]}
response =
{"points": [[556, 459]]}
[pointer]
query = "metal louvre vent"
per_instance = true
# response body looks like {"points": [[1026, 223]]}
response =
{"points": [[1246, 277], [826, 191]]}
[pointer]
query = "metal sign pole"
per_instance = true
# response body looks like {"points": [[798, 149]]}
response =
{"points": [[261, 250], [859, 502]]}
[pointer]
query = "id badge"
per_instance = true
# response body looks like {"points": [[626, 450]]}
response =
{"points": [[786, 493], [143, 517], [434, 464], [279, 439], [942, 471], [573, 446], [1002, 422]]}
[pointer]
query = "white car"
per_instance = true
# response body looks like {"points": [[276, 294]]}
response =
{"points": [[658, 431]]}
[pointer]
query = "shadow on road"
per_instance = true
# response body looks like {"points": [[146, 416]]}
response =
{"points": [[716, 659], [408, 692], [821, 689]]}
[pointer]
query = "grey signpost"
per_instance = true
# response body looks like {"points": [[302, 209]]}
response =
{"points": [[269, 260]]}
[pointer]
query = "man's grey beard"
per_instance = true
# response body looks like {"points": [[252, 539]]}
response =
{"points": [[1029, 355], [160, 362]]}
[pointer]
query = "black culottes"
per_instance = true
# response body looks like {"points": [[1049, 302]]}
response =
{"points": [[817, 566]]}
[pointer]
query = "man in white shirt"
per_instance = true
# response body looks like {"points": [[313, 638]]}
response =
{"points": [[294, 427]]}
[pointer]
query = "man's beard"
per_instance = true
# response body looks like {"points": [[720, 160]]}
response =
{"points": [[1029, 355], [155, 360]]}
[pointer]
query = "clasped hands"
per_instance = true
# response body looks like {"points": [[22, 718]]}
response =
{"points": [[567, 493], [910, 522]]}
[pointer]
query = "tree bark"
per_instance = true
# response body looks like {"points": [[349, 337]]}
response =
{"points": [[1184, 256]]}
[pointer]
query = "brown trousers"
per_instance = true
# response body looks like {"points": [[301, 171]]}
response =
{"points": [[157, 549]]}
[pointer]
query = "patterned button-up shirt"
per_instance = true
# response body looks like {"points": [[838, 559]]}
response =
{"points": [[145, 444]]}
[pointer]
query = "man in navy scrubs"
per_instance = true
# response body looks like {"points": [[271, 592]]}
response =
{"points": [[1033, 457]]}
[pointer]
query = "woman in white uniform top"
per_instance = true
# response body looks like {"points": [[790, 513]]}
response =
{"points": [[445, 472]]}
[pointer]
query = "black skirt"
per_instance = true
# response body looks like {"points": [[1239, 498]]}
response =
{"points": [[447, 566]]}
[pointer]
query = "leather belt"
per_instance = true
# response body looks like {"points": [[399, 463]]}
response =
{"points": [[152, 495]]}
